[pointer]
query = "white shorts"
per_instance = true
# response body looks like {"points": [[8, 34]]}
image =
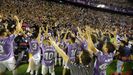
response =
{"points": [[37, 58], [65, 65], [9, 64], [34, 62], [45, 69]]}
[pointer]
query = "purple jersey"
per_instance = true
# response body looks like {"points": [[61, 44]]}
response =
{"points": [[72, 51], [34, 47], [101, 63], [6, 47], [84, 45], [62, 45], [48, 55]]}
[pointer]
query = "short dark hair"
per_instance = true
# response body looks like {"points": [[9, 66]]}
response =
{"points": [[100, 44], [86, 57], [110, 47], [2, 31], [73, 39], [34, 35]]}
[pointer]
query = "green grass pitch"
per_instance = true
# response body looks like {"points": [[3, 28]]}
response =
{"points": [[58, 70]]}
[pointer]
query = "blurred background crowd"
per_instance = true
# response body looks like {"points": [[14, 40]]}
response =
{"points": [[43, 12]]}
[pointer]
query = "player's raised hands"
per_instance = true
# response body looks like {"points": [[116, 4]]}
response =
{"points": [[65, 35], [43, 29], [46, 32], [39, 35], [79, 30], [18, 25], [51, 40], [16, 18]]}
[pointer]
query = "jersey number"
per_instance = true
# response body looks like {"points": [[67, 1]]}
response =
{"points": [[49, 56], [34, 46]]}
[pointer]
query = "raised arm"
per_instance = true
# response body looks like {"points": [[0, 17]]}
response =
{"points": [[80, 33], [90, 42], [46, 32], [64, 38], [115, 38], [18, 25], [59, 50], [39, 35]]}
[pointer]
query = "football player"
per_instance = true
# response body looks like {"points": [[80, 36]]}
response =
{"points": [[7, 59], [48, 56], [34, 53]]}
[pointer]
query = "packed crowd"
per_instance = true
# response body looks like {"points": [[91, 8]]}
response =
{"points": [[35, 12], [32, 10], [47, 32]]}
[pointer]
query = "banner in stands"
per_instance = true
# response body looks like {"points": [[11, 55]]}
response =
{"points": [[80, 1], [103, 6]]}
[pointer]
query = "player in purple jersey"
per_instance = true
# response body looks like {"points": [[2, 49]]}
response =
{"points": [[59, 40], [84, 64], [73, 49], [48, 61], [48, 56], [63, 44], [82, 39], [34, 53], [103, 58], [7, 59]]}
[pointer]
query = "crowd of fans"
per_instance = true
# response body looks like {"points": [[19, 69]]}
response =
{"points": [[41, 11], [33, 10], [58, 19]]}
